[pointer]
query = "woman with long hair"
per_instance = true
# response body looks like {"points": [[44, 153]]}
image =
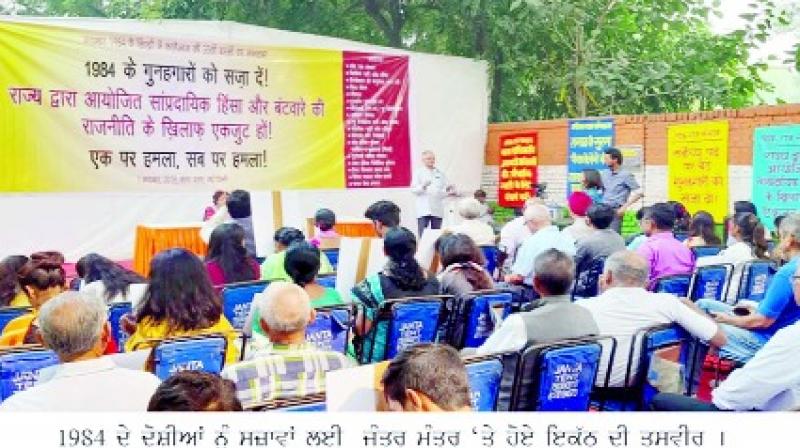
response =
{"points": [[750, 244], [702, 231], [42, 278], [227, 260], [11, 293], [593, 185], [180, 301], [109, 281], [401, 277], [462, 263]]}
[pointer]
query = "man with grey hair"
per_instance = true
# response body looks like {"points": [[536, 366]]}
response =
{"points": [[430, 188], [75, 326], [544, 236], [750, 327], [289, 366], [625, 307], [555, 316], [470, 211], [514, 233]]}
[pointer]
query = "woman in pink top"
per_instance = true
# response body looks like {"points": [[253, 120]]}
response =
{"points": [[324, 221], [220, 199], [227, 260]]}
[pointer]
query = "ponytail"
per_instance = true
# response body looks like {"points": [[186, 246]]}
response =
{"points": [[406, 273], [752, 232]]}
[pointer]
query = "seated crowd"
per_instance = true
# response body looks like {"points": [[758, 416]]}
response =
{"points": [[542, 266]]}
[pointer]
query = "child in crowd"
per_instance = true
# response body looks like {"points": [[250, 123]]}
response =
{"points": [[324, 232]]}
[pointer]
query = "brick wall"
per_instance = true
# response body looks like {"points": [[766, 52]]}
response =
{"points": [[650, 131]]}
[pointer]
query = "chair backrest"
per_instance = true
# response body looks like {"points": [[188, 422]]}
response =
{"points": [[237, 299], [307, 403], [674, 284], [115, 313], [490, 254], [333, 256], [412, 321], [681, 236], [9, 313], [484, 374], [327, 281], [587, 280], [20, 368], [706, 251], [756, 277], [645, 344], [556, 377], [330, 330], [475, 316], [711, 282], [205, 353]]}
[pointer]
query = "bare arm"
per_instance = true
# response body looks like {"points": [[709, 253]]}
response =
{"points": [[752, 321]]}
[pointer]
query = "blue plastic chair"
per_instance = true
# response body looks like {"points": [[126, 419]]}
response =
{"points": [[331, 328], [115, 313], [557, 376], [308, 403], [756, 278], [484, 374], [480, 324], [674, 284], [711, 282], [587, 281], [237, 298], [327, 281], [706, 251], [9, 313], [333, 256], [681, 236], [408, 322], [203, 353], [490, 254], [20, 368]]}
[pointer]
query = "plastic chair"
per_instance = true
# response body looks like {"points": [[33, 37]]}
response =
{"points": [[674, 284], [711, 282], [115, 313], [484, 374], [587, 280], [755, 279], [557, 376], [20, 368], [408, 322], [203, 353], [237, 298], [468, 320], [681, 236], [490, 254], [333, 256], [9, 313], [327, 281], [706, 251], [330, 331]]}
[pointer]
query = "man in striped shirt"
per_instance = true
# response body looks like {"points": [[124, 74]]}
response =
{"points": [[289, 366]]}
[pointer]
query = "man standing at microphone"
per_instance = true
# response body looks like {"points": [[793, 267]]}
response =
{"points": [[430, 187]]}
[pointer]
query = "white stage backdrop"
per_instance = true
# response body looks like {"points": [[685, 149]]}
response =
{"points": [[449, 112]]}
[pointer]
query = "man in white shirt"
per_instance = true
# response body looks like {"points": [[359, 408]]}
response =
{"points": [[768, 382], [430, 187], [555, 316], [513, 234], [75, 326], [544, 236], [625, 307]]}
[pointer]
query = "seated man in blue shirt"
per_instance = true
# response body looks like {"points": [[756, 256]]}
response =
{"points": [[749, 332]]}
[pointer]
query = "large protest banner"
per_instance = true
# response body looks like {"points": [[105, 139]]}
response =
{"points": [[776, 172], [519, 168], [95, 111], [587, 139], [697, 162]]}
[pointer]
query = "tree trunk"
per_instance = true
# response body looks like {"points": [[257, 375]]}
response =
{"points": [[578, 84], [497, 89]]}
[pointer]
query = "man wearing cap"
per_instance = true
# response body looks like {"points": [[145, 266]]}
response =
{"points": [[579, 203]]}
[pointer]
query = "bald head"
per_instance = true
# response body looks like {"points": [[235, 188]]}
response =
{"points": [[72, 324], [626, 269], [286, 309], [537, 217]]}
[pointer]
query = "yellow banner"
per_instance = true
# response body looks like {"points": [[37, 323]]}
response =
{"points": [[92, 111], [697, 157]]}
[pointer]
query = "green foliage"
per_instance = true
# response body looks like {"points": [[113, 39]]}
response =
{"points": [[547, 58]]}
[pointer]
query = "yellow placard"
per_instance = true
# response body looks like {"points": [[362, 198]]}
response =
{"points": [[697, 158]]}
